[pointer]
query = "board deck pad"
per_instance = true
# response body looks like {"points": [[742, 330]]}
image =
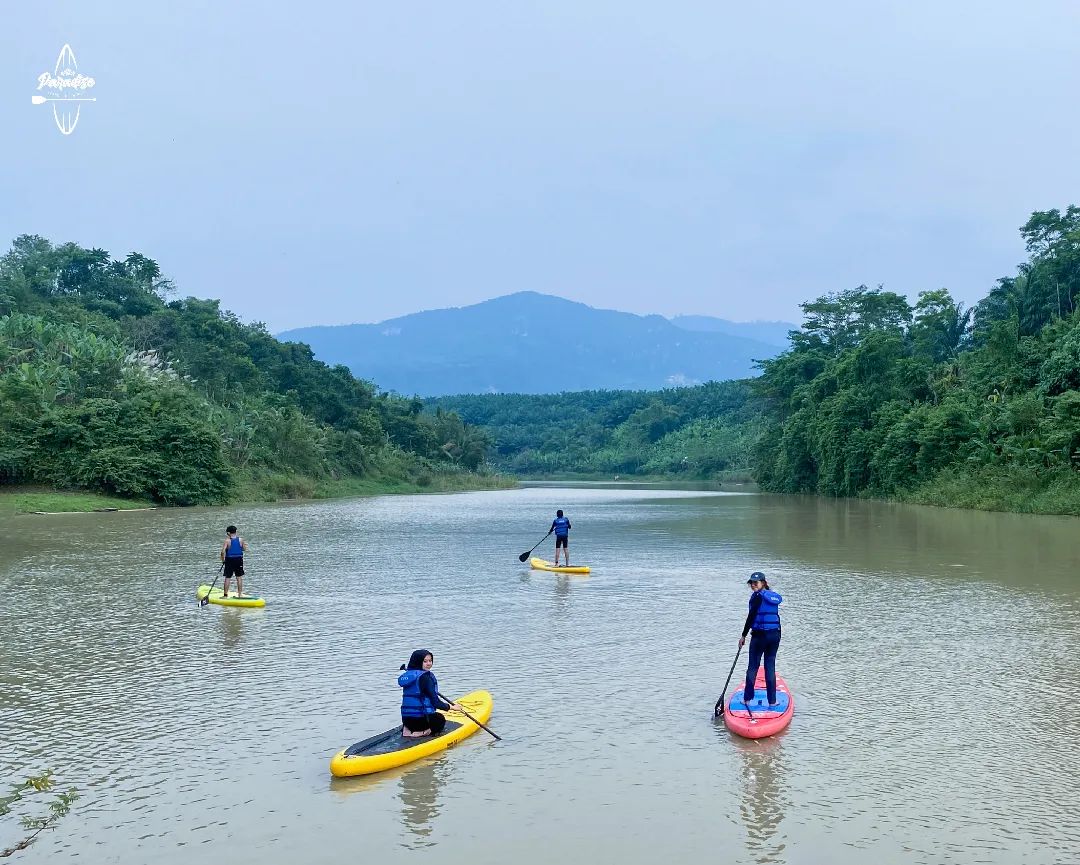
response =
{"points": [[392, 740], [759, 705], [216, 596]]}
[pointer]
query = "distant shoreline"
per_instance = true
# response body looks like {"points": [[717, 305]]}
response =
{"points": [[42, 501]]}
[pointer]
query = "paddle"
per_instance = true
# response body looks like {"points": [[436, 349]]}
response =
{"points": [[471, 718], [203, 601], [524, 556], [718, 710]]}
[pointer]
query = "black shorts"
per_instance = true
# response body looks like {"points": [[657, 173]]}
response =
{"points": [[560, 541], [434, 722], [234, 567]]}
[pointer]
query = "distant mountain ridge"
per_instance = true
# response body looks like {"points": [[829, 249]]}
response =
{"points": [[770, 332], [536, 343]]}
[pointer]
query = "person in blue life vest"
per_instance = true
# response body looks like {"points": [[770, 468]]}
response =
{"points": [[561, 526], [232, 556], [764, 620], [420, 698]]}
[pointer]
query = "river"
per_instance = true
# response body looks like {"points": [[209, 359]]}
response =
{"points": [[931, 653]]}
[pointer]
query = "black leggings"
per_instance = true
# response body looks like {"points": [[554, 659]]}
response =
{"points": [[434, 722]]}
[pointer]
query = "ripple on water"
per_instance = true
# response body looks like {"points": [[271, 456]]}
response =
{"points": [[933, 703]]}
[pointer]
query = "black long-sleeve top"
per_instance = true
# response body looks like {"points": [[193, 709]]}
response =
{"points": [[755, 605], [427, 688]]}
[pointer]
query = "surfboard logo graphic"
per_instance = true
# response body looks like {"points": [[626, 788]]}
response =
{"points": [[65, 89]]}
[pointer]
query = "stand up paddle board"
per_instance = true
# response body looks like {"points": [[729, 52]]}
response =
{"points": [[217, 596], [756, 719], [390, 749], [541, 565]]}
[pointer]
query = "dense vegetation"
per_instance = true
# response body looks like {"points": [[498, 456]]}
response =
{"points": [[692, 432], [936, 403], [107, 384], [876, 397]]}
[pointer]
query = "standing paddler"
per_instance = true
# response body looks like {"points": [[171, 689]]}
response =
{"points": [[561, 526], [232, 557], [764, 620]]}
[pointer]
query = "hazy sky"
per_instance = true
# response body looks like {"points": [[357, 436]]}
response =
{"points": [[327, 162]]}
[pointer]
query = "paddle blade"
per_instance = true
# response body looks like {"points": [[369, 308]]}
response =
{"points": [[523, 557]]}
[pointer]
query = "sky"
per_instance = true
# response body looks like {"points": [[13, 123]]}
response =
{"points": [[329, 162]]}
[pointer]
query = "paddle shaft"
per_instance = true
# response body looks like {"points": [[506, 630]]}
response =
{"points": [[206, 599], [718, 710], [524, 556], [471, 718]]}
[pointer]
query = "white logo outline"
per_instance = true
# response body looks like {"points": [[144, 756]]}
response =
{"points": [[64, 78]]}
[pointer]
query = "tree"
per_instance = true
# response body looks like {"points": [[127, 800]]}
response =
{"points": [[939, 326]]}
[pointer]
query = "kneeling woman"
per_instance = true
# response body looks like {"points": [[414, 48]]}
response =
{"points": [[420, 697]]}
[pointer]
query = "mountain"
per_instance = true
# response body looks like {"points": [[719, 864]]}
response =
{"points": [[531, 343], [769, 332]]}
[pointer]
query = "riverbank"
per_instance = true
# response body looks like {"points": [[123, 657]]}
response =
{"points": [[41, 500], [720, 478], [32, 500], [1011, 489]]}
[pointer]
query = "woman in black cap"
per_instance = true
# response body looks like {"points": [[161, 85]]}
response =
{"points": [[764, 620], [420, 697]]}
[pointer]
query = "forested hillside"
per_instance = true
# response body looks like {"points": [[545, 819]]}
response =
{"points": [[927, 402], [691, 432], [932, 402], [107, 383]]}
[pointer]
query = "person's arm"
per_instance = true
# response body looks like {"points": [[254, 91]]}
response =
{"points": [[568, 526], [243, 545], [427, 688], [552, 527], [224, 547], [755, 605]]}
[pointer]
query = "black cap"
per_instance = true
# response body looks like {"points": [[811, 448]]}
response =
{"points": [[756, 577]]}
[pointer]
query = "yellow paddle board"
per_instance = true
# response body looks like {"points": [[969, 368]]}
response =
{"points": [[217, 597], [541, 565], [391, 749]]}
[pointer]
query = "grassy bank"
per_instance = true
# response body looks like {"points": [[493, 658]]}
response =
{"points": [[1002, 488], [271, 488], [720, 478], [435, 484], [279, 487], [29, 500]]}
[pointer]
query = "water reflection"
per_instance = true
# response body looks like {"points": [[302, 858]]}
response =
{"points": [[231, 628], [418, 790], [560, 605], [420, 786], [764, 796]]}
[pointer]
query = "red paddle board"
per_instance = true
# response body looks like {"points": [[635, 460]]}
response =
{"points": [[757, 720]]}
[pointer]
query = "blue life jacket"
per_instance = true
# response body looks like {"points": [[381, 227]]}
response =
{"points": [[413, 702], [561, 526], [768, 614], [235, 550]]}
